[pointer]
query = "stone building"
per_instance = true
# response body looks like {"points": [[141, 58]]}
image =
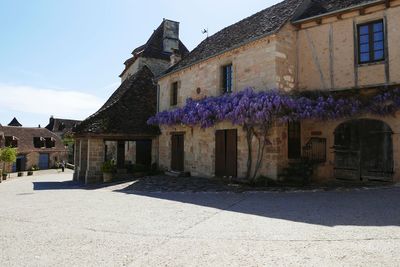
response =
{"points": [[296, 45], [35, 147], [64, 129], [119, 130]]}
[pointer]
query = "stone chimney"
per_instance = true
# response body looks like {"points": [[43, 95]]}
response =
{"points": [[175, 57], [171, 36]]}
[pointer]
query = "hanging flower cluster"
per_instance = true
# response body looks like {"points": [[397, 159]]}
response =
{"points": [[257, 108]]}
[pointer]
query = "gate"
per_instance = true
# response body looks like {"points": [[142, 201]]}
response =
{"points": [[364, 151]]}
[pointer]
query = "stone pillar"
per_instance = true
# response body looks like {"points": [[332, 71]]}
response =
{"points": [[77, 157], [95, 159], [82, 159]]}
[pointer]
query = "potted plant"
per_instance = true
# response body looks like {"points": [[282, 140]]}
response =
{"points": [[8, 155], [20, 174], [32, 169], [108, 168], [4, 175]]}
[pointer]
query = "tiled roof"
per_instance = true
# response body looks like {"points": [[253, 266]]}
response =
{"points": [[263, 23], [63, 126], [15, 122], [127, 110], [25, 137], [320, 7], [154, 48]]}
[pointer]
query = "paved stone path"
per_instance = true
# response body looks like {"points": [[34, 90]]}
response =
{"points": [[49, 221]]}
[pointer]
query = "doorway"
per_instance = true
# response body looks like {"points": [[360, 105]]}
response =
{"points": [[177, 152], [364, 151], [226, 153]]}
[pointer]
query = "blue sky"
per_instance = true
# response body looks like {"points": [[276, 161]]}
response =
{"points": [[63, 57]]}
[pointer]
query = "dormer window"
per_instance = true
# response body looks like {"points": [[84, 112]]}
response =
{"points": [[11, 141], [227, 78], [50, 142], [39, 142]]}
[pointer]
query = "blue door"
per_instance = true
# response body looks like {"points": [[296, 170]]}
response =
{"points": [[43, 161]]}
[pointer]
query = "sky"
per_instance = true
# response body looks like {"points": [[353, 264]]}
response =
{"points": [[63, 58]]}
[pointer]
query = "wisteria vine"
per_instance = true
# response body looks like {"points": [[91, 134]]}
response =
{"points": [[256, 111]]}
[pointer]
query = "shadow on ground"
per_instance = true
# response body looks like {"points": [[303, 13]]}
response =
{"points": [[339, 207]]}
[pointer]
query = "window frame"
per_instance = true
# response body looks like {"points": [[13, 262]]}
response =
{"points": [[225, 76], [371, 41], [174, 94]]}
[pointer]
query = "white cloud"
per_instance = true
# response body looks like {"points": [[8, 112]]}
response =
{"points": [[41, 101]]}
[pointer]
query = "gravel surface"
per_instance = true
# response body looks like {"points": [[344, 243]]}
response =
{"points": [[46, 220]]}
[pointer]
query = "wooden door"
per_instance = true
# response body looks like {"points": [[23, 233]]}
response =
{"points": [[226, 153], [364, 151], [376, 151], [294, 140], [143, 152], [177, 152]]}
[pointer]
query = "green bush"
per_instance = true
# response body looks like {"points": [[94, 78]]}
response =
{"points": [[109, 167]]}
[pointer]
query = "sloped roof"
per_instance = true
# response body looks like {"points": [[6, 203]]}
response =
{"points": [[320, 7], [154, 48], [127, 110], [15, 123], [25, 137], [263, 23], [61, 125]]}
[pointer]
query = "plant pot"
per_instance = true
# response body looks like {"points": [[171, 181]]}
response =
{"points": [[107, 177], [20, 174], [30, 173], [5, 176]]}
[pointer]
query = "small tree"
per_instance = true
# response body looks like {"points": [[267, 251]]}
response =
{"points": [[8, 155]]}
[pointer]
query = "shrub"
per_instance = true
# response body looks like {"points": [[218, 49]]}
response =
{"points": [[109, 167]]}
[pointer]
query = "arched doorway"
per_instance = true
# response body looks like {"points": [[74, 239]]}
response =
{"points": [[364, 151]]}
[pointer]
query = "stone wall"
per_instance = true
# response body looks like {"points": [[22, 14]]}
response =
{"points": [[326, 130], [254, 65], [199, 149], [95, 161], [157, 66]]}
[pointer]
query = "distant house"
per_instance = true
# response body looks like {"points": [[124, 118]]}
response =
{"points": [[61, 127], [35, 146], [64, 128], [119, 130]]}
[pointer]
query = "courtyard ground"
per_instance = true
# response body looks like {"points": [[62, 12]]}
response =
{"points": [[47, 220]]}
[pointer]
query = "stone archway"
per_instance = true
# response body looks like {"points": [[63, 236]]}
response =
{"points": [[364, 151]]}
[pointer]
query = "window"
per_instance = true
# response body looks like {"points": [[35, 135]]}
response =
{"points": [[11, 141], [294, 140], [50, 142], [174, 94], [371, 42], [39, 142], [227, 78]]}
